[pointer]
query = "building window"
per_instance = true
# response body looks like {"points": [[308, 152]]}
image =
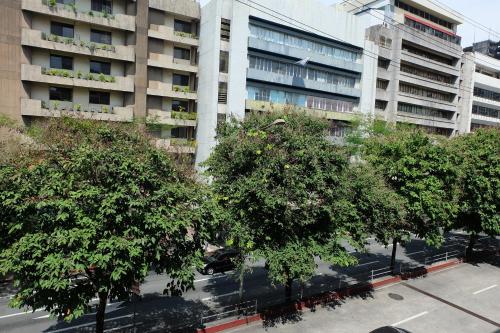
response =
{"points": [[182, 133], [380, 105], [62, 29], [61, 62], [306, 73], [306, 101], [99, 97], [224, 62], [385, 42], [483, 93], [431, 31], [382, 84], [180, 53], [423, 14], [105, 6], [339, 129], [180, 106], [426, 74], [297, 41], [484, 111], [101, 37], [180, 80], [225, 29], [383, 63], [182, 26], [60, 94], [424, 111], [99, 67], [66, 2], [222, 92], [428, 55], [424, 92]]}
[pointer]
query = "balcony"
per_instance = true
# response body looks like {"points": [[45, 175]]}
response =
{"points": [[177, 146], [185, 8], [273, 107], [166, 33], [487, 82], [485, 120], [36, 38], [169, 62], [173, 118], [37, 108], [116, 21], [35, 73], [158, 88]]}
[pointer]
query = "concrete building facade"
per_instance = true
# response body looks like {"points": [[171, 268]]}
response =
{"points": [[419, 62], [480, 91], [112, 60], [263, 56]]}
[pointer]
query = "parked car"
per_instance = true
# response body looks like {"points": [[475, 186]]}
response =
{"points": [[219, 261]]}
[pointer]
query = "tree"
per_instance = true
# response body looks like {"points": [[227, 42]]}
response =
{"points": [[284, 190], [93, 207], [479, 164], [421, 171], [379, 207]]}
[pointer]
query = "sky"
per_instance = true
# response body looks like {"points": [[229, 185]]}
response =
{"points": [[485, 12]]}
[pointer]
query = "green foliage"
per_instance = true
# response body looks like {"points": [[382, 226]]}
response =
{"points": [[285, 193], [421, 170], [101, 203], [478, 159], [184, 115], [81, 43], [52, 3]]}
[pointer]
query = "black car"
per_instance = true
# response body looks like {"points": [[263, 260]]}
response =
{"points": [[389, 329], [220, 261]]}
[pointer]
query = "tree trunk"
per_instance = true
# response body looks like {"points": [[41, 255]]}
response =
{"points": [[470, 247], [101, 309], [393, 256], [242, 276], [288, 290]]}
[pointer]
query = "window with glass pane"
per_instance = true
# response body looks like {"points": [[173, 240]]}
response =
{"points": [[99, 67], [62, 29], [60, 94], [224, 61], [180, 106], [180, 133], [180, 53], [99, 97], [182, 26], [61, 62], [66, 2], [102, 6], [180, 80], [102, 37]]}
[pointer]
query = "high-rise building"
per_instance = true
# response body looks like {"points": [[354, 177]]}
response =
{"points": [[487, 47], [480, 91], [419, 60], [111, 60], [264, 55]]}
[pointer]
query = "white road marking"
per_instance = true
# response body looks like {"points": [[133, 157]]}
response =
{"points": [[219, 296], [42, 317], [211, 278], [367, 263], [485, 289], [89, 324], [20, 313], [410, 318]]}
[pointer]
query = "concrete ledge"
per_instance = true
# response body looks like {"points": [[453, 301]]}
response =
{"points": [[328, 297]]}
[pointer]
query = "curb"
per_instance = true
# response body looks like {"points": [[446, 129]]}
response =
{"points": [[327, 297]]}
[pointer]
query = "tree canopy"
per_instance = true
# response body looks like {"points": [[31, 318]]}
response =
{"points": [[286, 192], [89, 211]]}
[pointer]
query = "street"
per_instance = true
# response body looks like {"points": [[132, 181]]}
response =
{"points": [[157, 312]]}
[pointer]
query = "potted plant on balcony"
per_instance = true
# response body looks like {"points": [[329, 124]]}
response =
{"points": [[55, 105], [52, 3]]}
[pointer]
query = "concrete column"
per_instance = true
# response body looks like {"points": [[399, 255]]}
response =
{"points": [[141, 58]]}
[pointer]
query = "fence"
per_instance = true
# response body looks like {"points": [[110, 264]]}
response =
{"points": [[244, 309]]}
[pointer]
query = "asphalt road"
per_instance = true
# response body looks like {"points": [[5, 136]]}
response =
{"points": [[212, 293]]}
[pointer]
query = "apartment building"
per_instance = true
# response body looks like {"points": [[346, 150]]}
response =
{"points": [[480, 90], [419, 62], [112, 60], [263, 56]]}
